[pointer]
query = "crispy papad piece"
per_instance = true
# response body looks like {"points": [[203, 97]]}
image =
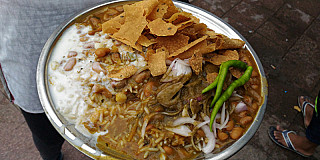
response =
{"points": [[161, 28], [158, 12], [231, 43], [172, 9], [179, 17], [211, 77], [149, 52], [145, 41], [123, 72], [133, 26], [172, 43], [196, 62], [194, 31], [147, 5], [202, 47], [183, 20], [223, 56], [157, 62], [113, 25], [184, 48]]}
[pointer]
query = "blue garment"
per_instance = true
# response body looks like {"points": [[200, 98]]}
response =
{"points": [[24, 29], [313, 130]]}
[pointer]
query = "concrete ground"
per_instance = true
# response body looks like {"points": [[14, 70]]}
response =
{"points": [[284, 33]]}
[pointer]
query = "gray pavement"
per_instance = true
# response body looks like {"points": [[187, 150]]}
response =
{"points": [[284, 33]]}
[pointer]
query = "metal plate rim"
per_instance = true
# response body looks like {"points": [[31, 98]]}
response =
{"points": [[42, 85]]}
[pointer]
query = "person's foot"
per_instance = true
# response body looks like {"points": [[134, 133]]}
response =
{"points": [[301, 144], [308, 111]]}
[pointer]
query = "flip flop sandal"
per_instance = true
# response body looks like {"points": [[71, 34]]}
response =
{"points": [[304, 106], [286, 138]]}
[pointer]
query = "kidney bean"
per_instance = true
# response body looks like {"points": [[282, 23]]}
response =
{"points": [[230, 125], [245, 120], [236, 133], [142, 76], [70, 64], [149, 89], [255, 106], [243, 114], [72, 54], [101, 52], [247, 100], [222, 136]]}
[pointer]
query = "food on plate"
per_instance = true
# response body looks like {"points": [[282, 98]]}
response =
{"points": [[151, 81]]}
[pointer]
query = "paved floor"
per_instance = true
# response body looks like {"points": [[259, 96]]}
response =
{"points": [[284, 33]]}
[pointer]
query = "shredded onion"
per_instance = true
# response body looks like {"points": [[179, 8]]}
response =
{"points": [[241, 107], [177, 68], [211, 140], [235, 94], [223, 125], [223, 113], [183, 120], [214, 126], [202, 123], [181, 130]]}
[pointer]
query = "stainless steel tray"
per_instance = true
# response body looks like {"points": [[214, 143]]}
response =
{"points": [[81, 142]]}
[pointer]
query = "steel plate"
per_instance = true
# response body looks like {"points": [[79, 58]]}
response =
{"points": [[81, 142]]}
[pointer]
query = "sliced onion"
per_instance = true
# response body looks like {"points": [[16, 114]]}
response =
{"points": [[218, 116], [223, 125], [223, 112], [211, 140], [183, 120], [203, 123], [241, 107], [176, 69], [181, 130], [235, 94], [214, 126]]}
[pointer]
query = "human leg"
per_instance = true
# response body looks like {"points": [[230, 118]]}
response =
{"points": [[47, 140], [313, 129], [300, 143], [303, 145], [307, 107]]}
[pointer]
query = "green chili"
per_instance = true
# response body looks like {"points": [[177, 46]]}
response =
{"points": [[228, 92], [211, 86], [224, 67]]}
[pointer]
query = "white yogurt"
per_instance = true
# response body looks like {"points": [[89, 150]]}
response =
{"points": [[69, 89]]}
